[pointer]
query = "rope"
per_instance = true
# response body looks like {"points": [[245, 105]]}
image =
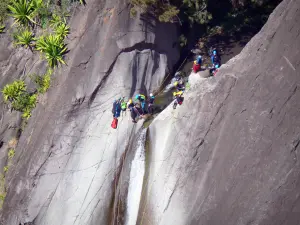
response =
{"points": [[170, 74]]}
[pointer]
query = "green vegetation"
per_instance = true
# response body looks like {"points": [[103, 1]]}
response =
{"points": [[56, 21], [10, 155], [2, 189], [196, 11], [42, 82], [19, 98], [2, 28], [24, 38], [193, 11], [53, 47], [11, 92], [62, 30], [22, 11], [30, 16]]}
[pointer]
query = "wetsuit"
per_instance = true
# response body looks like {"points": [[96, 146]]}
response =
{"points": [[116, 110]]}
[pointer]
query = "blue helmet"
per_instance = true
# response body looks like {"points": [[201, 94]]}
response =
{"points": [[217, 66], [199, 57], [214, 52], [137, 96]]}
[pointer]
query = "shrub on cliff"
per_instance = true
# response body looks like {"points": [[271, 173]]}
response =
{"points": [[22, 11], [42, 82], [193, 11], [19, 99], [24, 38], [62, 30], [53, 48]]}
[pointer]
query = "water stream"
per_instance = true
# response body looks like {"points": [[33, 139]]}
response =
{"points": [[137, 172]]}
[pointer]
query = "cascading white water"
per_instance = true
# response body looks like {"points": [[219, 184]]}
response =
{"points": [[137, 172]]}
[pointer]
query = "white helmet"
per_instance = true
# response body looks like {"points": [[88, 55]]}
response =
{"points": [[151, 95]]}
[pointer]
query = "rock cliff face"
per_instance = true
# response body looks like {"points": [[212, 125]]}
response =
{"points": [[230, 153], [68, 159]]}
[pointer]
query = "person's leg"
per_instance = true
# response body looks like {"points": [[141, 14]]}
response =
{"points": [[133, 116]]}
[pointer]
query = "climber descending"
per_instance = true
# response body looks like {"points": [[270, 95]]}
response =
{"points": [[134, 112], [197, 64], [151, 103], [142, 100], [123, 106], [178, 98], [215, 59], [116, 111], [179, 85]]}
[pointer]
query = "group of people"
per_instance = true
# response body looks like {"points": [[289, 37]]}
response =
{"points": [[215, 60], [137, 109]]}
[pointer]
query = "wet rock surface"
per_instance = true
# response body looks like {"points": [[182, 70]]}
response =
{"points": [[230, 153], [68, 160]]}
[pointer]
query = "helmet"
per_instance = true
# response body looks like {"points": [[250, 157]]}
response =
{"points": [[199, 57], [137, 96], [217, 66], [214, 52], [151, 95], [195, 62], [176, 83], [130, 101]]}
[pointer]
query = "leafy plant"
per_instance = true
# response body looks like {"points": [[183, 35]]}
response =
{"points": [[20, 100], [169, 12], [36, 4], [5, 169], [53, 47], [11, 153], [25, 102], [42, 82], [24, 38], [62, 30], [22, 11], [41, 12], [11, 92], [55, 21]]}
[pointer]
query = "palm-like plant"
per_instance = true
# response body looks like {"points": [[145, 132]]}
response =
{"points": [[24, 38], [53, 47], [13, 91], [22, 11], [55, 21], [36, 4], [62, 30]]}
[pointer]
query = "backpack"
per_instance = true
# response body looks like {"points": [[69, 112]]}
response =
{"points": [[123, 106], [114, 123]]}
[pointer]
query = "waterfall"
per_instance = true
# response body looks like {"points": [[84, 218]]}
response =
{"points": [[137, 172]]}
